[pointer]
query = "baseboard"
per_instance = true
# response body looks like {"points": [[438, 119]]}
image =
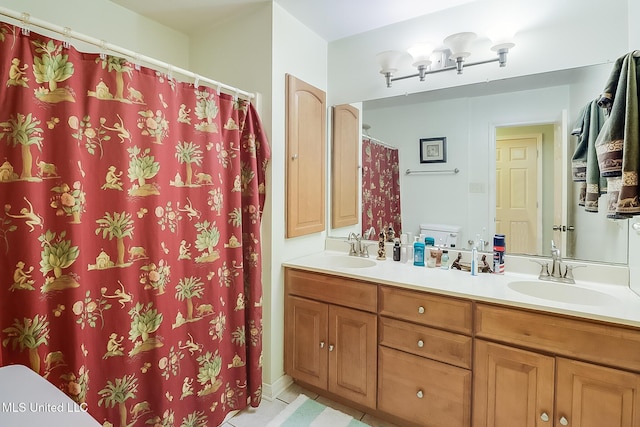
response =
{"points": [[272, 391]]}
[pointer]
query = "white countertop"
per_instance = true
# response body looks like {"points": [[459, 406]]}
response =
{"points": [[623, 306]]}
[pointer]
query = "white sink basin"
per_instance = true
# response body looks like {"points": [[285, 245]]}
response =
{"points": [[561, 292], [345, 261]]}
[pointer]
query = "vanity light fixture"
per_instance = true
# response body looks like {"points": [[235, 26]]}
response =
{"points": [[456, 51]]}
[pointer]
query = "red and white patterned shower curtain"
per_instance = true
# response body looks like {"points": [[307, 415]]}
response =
{"points": [[380, 187], [130, 209]]}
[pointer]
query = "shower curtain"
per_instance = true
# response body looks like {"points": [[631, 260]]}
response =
{"points": [[380, 187], [130, 262]]}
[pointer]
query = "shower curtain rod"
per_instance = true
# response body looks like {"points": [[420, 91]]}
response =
{"points": [[26, 20], [378, 141]]}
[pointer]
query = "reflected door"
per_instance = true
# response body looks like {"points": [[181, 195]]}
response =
{"points": [[517, 183]]}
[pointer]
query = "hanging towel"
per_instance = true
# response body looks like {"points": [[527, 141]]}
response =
{"points": [[585, 161], [618, 144]]}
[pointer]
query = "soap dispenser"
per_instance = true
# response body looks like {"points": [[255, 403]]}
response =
{"points": [[474, 257]]}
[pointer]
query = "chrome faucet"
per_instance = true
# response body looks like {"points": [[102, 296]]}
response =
{"points": [[556, 259], [368, 234], [357, 248], [557, 275]]}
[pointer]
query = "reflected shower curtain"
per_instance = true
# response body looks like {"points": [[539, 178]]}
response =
{"points": [[129, 235], [380, 187]]}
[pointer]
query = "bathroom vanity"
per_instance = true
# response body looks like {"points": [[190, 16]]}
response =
{"points": [[430, 347]]}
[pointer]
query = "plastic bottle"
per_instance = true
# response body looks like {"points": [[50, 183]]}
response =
{"points": [[396, 250], [430, 252], [418, 253], [444, 264], [403, 247]]}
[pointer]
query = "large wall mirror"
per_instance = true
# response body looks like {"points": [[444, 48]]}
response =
{"points": [[479, 121]]}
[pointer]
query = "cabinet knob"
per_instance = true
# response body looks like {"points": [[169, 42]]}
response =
{"points": [[420, 343], [420, 394], [330, 347], [564, 421], [421, 310], [321, 344], [294, 157], [544, 417]]}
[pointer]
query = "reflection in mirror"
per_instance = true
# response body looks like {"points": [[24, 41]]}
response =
{"points": [[473, 118]]}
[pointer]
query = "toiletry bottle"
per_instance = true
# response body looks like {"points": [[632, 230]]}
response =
{"points": [[439, 249], [474, 259], [418, 253], [430, 252], [444, 263], [409, 245], [396, 250], [498, 253], [403, 247]]}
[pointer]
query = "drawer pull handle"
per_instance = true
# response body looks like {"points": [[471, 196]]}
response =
{"points": [[420, 343], [544, 417], [321, 344], [564, 421], [330, 347], [420, 394], [421, 310]]}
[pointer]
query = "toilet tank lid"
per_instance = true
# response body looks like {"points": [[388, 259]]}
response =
{"points": [[440, 227]]}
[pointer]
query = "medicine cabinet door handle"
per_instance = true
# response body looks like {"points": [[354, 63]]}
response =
{"points": [[420, 343], [330, 347], [321, 344], [544, 417], [564, 421], [421, 310], [420, 394]]}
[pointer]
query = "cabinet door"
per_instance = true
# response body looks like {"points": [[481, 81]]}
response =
{"points": [[352, 355], [345, 176], [512, 387], [595, 396], [306, 341], [306, 153], [423, 391]]}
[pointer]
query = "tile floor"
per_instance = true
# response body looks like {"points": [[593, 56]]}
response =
{"points": [[260, 416]]}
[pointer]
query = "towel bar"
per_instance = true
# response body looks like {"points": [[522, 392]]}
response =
{"points": [[454, 171]]}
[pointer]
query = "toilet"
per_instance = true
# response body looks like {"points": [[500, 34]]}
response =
{"points": [[442, 234]]}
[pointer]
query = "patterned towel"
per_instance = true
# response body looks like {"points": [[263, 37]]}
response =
{"points": [[618, 144], [304, 412]]}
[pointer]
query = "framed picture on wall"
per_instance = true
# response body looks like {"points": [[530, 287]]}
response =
{"points": [[433, 150]]}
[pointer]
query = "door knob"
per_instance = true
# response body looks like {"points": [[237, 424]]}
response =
{"points": [[544, 417], [564, 421], [330, 347], [321, 344]]}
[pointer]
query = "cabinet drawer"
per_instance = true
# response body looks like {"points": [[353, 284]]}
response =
{"points": [[443, 312], [443, 346], [331, 289], [423, 391], [581, 339]]}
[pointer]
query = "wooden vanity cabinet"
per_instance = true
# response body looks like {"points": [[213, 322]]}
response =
{"points": [[539, 386], [424, 368], [331, 334]]}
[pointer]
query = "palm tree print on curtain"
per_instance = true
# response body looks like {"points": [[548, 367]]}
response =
{"points": [[130, 262], [380, 187]]}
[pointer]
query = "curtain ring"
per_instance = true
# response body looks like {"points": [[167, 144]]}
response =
{"points": [[196, 83], [103, 48], [25, 24], [66, 31]]}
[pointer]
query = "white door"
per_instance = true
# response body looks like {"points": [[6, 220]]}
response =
{"points": [[517, 186]]}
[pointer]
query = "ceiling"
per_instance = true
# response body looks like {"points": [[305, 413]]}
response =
{"points": [[331, 19]]}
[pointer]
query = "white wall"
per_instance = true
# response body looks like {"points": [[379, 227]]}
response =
{"points": [[112, 23], [552, 35]]}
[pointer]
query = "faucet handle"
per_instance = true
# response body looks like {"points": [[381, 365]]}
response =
{"points": [[544, 270], [568, 272]]}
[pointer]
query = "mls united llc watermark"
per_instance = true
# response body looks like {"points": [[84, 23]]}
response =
{"points": [[40, 407]]}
